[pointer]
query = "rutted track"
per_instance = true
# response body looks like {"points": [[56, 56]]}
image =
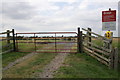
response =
{"points": [[49, 70], [20, 60]]}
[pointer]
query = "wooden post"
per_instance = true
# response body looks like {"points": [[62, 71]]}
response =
{"points": [[116, 59], [111, 57], [89, 38], [8, 37], [81, 40], [78, 41], [14, 47]]}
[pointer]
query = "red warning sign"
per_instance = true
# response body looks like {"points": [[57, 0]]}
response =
{"points": [[108, 16], [109, 20]]}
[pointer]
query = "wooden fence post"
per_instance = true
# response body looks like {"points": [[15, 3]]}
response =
{"points": [[111, 57], [116, 59], [14, 47], [81, 42], [8, 37], [78, 41], [89, 34]]}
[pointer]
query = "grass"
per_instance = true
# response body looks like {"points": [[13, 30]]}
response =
{"points": [[11, 56], [84, 66], [75, 65], [30, 67]]}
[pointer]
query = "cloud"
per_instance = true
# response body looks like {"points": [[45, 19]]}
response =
{"points": [[18, 10], [55, 15]]}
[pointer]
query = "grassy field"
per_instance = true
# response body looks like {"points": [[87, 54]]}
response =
{"points": [[84, 66], [75, 65]]}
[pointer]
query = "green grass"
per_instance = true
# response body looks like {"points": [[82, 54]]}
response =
{"points": [[30, 67], [84, 66], [10, 57]]}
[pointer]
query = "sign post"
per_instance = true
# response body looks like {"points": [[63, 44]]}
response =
{"points": [[109, 20]]}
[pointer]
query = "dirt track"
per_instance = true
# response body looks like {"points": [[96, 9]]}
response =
{"points": [[50, 69]]}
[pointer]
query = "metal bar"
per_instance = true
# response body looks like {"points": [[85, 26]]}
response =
{"points": [[50, 33], [48, 52], [16, 43], [47, 42], [34, 42], [59, 49], [54, 52], [55, 44], [54, 37]]}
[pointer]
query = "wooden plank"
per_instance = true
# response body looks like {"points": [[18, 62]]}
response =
{"points": [[6, 51], [102, 61], [102, 48], [95, 34], [98, 50], [7, 45], [96, 38], [111, 64], [6, 32], [92, 52]]}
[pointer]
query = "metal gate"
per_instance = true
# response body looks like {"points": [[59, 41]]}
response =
{"points": [[47, 42]]}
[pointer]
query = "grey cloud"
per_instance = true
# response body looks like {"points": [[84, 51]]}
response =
{"points": [[18, 10]]}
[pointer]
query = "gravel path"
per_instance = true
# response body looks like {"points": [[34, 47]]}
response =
{"points": [[50, 69]]}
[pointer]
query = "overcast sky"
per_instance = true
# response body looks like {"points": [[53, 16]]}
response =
{"points": [[54, 15]]}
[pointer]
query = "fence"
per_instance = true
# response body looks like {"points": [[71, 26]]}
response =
{"points": [[47, 42], [78, 43], [105, 54], [7, 41]]}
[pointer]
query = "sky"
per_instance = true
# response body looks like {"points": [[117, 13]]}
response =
{"points": [[54, 15]]}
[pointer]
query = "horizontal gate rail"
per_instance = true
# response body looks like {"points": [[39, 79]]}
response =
{"points": [[47, 42], [59, 49], [50, 33]]}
